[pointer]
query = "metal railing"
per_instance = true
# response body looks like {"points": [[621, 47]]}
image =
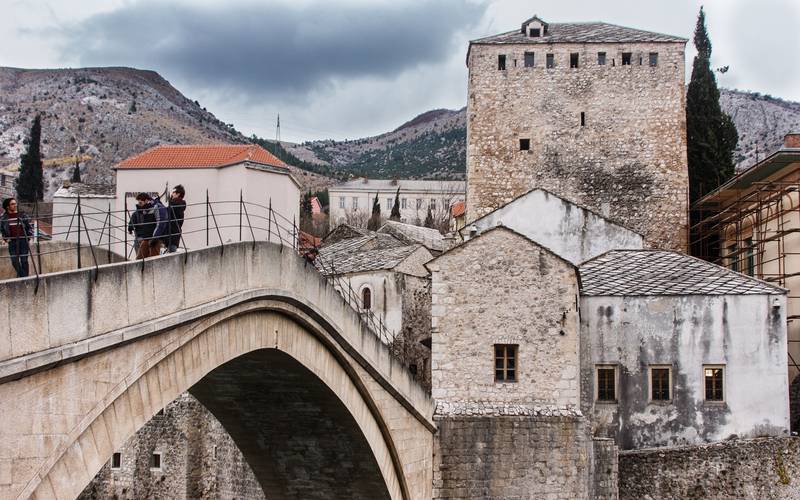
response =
{"points": [[94, 228]]}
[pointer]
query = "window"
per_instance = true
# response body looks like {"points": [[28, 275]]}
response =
{"points": [[529, 59], [389, 203], [366, 298], [660, 383], [573, 60], [626, 58], [432, 206], [607, 383], [155, 461], [505, 362], [524, 144], [116, 461], [751, 257], [535, 32], [583, 119], [550, 61], [653, 59], [733, 259], [601, 58], [355, 203], [419, 203], [403, 203], [501, 62], [341, 202], [714, 376]]}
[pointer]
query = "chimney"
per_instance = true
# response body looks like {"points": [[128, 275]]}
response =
{"points": [[791, 140]]}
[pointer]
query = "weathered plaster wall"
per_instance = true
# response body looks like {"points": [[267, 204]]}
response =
{"points": [[627, 162], [501, 288], [745, 333], [387, 296], [572, 232], [199, 460], [763, 468]]}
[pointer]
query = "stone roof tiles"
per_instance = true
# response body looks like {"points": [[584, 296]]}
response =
{"points": [[372, 252], [659, 272], [592, 32], [430, 238]]}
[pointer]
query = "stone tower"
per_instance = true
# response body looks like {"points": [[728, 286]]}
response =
{"points": [[592, 112]]}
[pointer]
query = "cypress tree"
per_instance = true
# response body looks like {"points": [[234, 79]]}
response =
{"points": [[429, 219], [76, 172], [710, 133], [30, 183], [375, 219], [395, 215]]}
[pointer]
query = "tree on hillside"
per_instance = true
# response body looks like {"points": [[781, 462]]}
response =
{"points": [[429, 219], [76, 172], [306, 213], [710, 133], [30, 183], [395, 215], [375, 220]]}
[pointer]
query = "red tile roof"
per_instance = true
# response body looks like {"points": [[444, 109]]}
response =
{"points": [[458, 208], [201, 156]]}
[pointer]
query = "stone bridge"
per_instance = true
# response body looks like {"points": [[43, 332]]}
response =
{"points": [[313, 398]]}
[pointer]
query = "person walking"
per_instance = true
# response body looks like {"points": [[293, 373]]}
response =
{"points": [[142, 224], [162, 227], [177, 207], [16, 231]]}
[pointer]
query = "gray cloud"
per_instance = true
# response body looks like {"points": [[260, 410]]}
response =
{"points": [[272, 50]]}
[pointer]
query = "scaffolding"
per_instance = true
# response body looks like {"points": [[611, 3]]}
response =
{"points": [[750, 226]]}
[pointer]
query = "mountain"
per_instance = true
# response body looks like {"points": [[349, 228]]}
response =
{"points": [[107, 114], [433, 145]]}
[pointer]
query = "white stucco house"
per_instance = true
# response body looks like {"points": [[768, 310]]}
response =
{"points": [[222, 171], [97, 200]]}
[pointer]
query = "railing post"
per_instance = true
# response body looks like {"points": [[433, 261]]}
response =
{"points": [[110, 225], [79, 231], [37, 239], [207, 227], [269, 220], [240, 215], [125, 229], [294, 232]]}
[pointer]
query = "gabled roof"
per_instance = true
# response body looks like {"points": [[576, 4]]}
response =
{"points": [[592, 32], [202, 156], [373, 252], [660, 272], [430, 238]]}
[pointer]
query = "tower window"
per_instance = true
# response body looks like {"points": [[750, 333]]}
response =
{"points": [[550, 61], [155, 461], [535, 32], [524, 144], [501, 62], [583, 119], [653, 59], [626, 58], [601, 58], [505, 362], [366, 298], [116, 461], [573, 60], [529, 59]]}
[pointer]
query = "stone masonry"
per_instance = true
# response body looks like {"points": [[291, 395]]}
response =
{"points": [[627, 160]]}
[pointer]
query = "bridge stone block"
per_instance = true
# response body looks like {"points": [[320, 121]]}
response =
{"points": [[109, 304], [6, 350], [29, 333], [68, 299], [140, 295], [168, 285], [202, 277]]}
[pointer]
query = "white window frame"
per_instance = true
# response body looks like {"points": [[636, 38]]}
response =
{"points": [[160, 462], [341, 202], [355, 202], [650, 383], [403, 203]]}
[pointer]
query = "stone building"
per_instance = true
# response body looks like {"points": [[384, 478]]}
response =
{"points": [[592, 112]]}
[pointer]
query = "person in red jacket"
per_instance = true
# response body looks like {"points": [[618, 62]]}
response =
{"points": [[16, 230]]}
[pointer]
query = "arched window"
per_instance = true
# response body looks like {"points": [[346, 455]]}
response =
{"points": [[366, 298]]}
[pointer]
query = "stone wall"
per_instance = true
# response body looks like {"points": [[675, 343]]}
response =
{"points": [[416, 300], [199, 460], [57, 256], [511, 457], [763, 468], [629, 160], [501, 288]]}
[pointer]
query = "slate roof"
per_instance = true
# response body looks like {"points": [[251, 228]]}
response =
{"points": [[430, 238], [201, 156], [372, 252], [659, 272], [76, 189], [593, 32]]}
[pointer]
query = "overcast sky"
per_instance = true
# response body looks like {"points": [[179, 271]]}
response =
{"points": [[348, 69]]}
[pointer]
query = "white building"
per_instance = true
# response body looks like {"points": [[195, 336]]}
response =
{"points": [[97, 206], [351, 202], [223, 171]]}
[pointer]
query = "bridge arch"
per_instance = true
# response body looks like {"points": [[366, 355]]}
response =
{"points": [[111, 384]]}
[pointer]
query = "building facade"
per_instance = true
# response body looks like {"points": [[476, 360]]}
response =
{"points": [[592, 112], [351, 202]]}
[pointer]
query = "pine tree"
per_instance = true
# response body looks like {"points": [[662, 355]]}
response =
{"points": [[30, 183], [76, 172], [429, 219], [375, 220], [710, 133], [395, 215]]}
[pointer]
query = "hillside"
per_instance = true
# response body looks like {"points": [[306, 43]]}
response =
{"points": [[433, 145], [108, 114]]}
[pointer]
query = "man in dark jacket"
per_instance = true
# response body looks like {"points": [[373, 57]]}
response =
{"points": [[142, 225], [162, 227], [16, 230], [177, 207]]}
